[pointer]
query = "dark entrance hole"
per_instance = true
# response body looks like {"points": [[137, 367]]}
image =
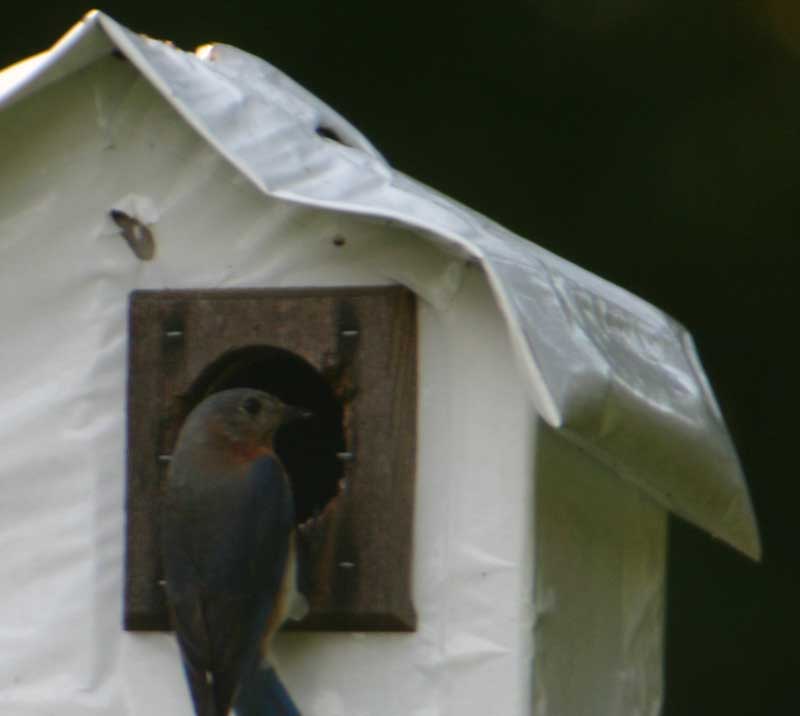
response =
{"points": [[308, 448]]}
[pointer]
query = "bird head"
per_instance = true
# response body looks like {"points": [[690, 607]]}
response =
{"points": [[242, 421]]}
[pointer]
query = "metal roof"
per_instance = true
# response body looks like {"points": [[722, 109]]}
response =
{"points": [[613, 373]]}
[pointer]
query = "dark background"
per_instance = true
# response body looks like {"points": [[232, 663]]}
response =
{"points": [[654, 142]]}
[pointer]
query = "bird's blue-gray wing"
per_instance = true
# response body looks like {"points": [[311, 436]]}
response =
{"points": [[225, 554]]}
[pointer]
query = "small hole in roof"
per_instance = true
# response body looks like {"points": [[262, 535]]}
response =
{"points": [[328, 133]]}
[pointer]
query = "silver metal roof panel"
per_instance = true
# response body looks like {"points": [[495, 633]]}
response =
{"points": [[615, 374]]}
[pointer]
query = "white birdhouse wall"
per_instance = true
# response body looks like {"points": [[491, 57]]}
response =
{"points": [[103, 139], [600, 588]]}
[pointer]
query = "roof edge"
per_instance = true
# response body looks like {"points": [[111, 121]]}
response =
{"points": [[586, 347]]}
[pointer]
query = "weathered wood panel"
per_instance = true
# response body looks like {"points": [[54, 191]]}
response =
{"points": [[348, 354]]}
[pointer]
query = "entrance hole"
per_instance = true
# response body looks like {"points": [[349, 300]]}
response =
{"points": [[310, 449]]}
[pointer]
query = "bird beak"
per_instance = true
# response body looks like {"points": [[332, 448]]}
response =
{"points": [[291, 413]]}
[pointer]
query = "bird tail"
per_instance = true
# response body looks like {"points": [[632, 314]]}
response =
{"points": [[263, 694], [202, 692]]}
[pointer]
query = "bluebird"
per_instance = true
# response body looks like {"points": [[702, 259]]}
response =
{"points": [[228, 551]]}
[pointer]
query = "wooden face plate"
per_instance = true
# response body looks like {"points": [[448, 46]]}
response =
{"points": [[348, 354]]}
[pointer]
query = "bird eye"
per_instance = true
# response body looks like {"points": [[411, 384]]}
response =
{"points": [[252, 406]]}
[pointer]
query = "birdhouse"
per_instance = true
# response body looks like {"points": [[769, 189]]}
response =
{"points": [[498, 435]]}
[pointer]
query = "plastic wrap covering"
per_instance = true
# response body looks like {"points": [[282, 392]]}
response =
{"points": [[600, 570], [66, 274], [616, 374], [219, 154]]}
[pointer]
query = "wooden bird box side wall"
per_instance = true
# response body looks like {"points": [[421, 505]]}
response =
{"points": [[600, 586]]}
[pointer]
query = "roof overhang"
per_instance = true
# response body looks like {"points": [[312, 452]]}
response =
{"points": [[613, 373]]}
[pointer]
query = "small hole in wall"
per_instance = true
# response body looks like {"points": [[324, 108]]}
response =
{"points": [[328, 133], [308, 448]]}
